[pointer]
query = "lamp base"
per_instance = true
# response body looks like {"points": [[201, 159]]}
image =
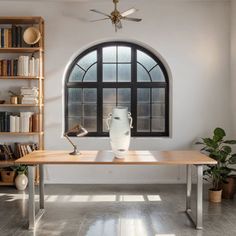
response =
{"points": [[75, 152]]}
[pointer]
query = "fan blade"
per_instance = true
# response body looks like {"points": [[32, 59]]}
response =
{"points": [[129, 12], [131, 19], [99, 12], [100, 19]]}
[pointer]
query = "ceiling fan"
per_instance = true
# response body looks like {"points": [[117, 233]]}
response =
{"points": [[115, 16]]}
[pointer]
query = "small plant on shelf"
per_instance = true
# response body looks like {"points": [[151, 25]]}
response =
{"points": [[220, 150]]}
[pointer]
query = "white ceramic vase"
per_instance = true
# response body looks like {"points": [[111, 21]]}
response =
{"points": [[21, 181], [119, 123]]}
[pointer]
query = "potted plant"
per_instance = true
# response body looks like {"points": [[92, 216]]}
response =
{"points": [[21, 179], [219, 149]]}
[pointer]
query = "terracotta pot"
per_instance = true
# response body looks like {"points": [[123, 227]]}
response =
{"points": [[229, 188], [214, 196]]}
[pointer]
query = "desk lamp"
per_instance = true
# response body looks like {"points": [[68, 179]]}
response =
{"points": [[76, 131]]}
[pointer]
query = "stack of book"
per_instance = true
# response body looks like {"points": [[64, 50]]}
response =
{"points": [[21, 122], [22, 66], [29, 95], [11, 37]]}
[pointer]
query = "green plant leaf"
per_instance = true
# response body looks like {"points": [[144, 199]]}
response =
{"points": [[227, 149], [199, 142], [230, 142], [219, 132]]}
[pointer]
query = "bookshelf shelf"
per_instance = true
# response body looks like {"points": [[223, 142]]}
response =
{"points": [[21, 133], [20, 20], [7, 163], [21, 50], [21, 105], [20, 78], [7, 184]]}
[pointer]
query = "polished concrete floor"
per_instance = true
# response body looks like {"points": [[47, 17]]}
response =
{"points": [[114, 210]]}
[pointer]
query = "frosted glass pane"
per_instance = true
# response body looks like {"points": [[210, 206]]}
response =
{"points": [[109, 54], [75, 109], [89, 110], [76, 74], [142, 75], [124, 95], [124, 72], [124, 54], [158, 95], [143, 95], [107, 109], [143, 109], [91, 75], [158, 109], [143, 124], [73, 121], [109, 95], [158, 124], [109, 73], [125, 105], [86, 61], [90, 123], [145, 60], [74, 95], [90, 95], [157, 75]]}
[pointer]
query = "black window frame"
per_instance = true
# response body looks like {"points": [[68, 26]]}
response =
{"points": [[133, 85]]}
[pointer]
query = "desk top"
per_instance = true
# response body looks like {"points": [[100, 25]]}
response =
{"points": [[108, 158]]}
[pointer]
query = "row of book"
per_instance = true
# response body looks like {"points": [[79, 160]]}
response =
{"points": [[11, 37], [16, 150], [22, 66], [19, 122]]}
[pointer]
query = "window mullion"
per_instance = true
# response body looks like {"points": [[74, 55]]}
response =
{"points": [[99, 92], [134, 89]]}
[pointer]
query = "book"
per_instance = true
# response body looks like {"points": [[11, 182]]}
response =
{"points": [[13, 36], [18, 36], [2, 37]]}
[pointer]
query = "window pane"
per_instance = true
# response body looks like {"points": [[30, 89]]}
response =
{"points": [[91, 75], [143, 109], [90, 95], [158, 124], [124, 95], [158, 95], [90, 110], [74, 95], [143, 124], [107, 109], [109, 73], [109, 95], [124, 72], [143, 95], [142, 74], [90, 123], [124, 54], [157, 74], [109, 54], [76, 74], [75, 109], [145, 60], [158, 109], [86, 61]]}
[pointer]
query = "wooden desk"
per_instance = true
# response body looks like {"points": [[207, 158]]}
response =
{"points": [[188, 158]]}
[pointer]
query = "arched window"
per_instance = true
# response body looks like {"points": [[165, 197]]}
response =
{"points": [[117, 74]]}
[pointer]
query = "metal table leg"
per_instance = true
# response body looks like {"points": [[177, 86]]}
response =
{"points": [[33, 217], [198, 222], [41, 186]]}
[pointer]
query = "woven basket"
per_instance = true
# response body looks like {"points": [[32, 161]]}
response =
{"points": [[8, 176]]}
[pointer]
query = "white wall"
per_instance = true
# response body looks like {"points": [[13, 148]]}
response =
{"points": [[192, 37], [233, 64]]}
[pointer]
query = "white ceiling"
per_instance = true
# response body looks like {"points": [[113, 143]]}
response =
{"points": [[105, 0]]}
